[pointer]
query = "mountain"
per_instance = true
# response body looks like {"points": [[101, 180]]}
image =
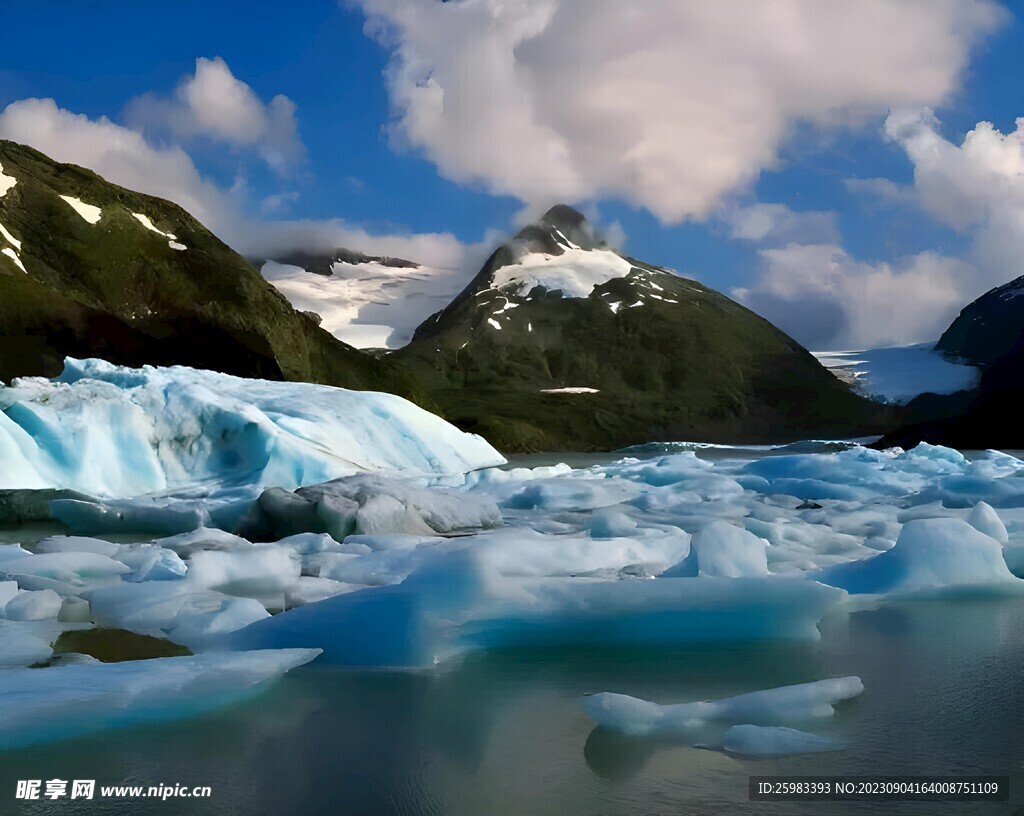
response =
{"points": [[560, 342], [988, 329], [988, 332], [90, 269], [366, 301]]}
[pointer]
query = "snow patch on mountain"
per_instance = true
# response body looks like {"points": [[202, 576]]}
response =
{"points": [[10, 253], [575, 273], [10, 238], [144, 220], [367, 305], [87, 211], [6, 182], [900, 373]]}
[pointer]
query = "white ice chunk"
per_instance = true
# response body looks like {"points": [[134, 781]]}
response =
{"points": [[176, 246], [451, 605], [74, 568], [256, 572], [722, 550], [61, 543], [986, 520], [68, 700], [29, 605], [22, 644], [930, 554], [151, 563], [630, 715], [87, 211], [114, 432]]}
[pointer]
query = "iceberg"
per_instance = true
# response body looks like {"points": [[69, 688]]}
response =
{"points": [[722, 550], [455, 603], [68, 700], [798, 703], [930, 555], [117, 432]]}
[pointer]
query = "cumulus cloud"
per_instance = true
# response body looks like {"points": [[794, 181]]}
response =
{"points": [[123, 156], [667, 105], [976, 187], [118, 154], [215, 104], [827, 300]]}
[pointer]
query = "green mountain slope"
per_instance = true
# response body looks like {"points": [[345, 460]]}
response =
{"points": [[124, 289], [667, 358]]}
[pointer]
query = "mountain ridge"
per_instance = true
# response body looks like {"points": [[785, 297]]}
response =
{"points": [[90, 268]]}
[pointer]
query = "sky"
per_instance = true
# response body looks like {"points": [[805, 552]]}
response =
{"points": [[853, 172]]}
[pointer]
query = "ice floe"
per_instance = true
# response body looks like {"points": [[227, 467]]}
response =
{"points": [[68, 700]]}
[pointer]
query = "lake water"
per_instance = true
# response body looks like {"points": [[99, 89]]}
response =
{"points": [[502, 733]]}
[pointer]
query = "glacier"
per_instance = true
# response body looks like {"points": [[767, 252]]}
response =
{"points": [[117, 432]]}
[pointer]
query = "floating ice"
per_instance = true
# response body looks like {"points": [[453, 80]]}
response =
{"points": [[930, 554], [69, 700], [33, 605], [758, 741], [722, 550], [806, 701], [113, 431], [986, 520], [451, 605]]}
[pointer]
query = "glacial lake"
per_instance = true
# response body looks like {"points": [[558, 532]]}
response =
{"points": [[502, 732]]}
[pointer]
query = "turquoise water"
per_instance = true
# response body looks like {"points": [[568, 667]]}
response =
{"points": [[503, 734]]}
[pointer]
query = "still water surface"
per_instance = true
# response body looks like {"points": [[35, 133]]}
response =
{"points": [[502, 733]]}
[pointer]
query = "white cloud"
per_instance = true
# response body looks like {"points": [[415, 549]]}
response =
{"points": [[976, 187], [667, 105], [826, 299], [118, 154], [216, 104]]}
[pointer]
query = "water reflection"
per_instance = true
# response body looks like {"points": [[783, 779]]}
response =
{"points": [[502, 733]]}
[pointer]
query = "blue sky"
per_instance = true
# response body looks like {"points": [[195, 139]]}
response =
{"points": [[100, 58]]}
